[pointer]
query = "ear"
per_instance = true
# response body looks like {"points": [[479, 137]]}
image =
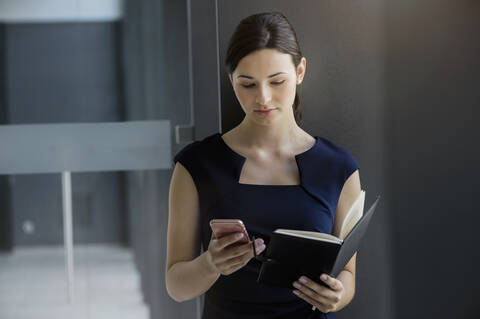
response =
{"points": [[230, 77], [301, 70]]}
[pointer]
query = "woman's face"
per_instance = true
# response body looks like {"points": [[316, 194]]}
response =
{"points": [[266, 80]]}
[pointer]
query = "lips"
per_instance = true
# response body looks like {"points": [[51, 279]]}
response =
{"points": [[265, 110]]}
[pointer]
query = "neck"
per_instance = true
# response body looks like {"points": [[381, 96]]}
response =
{"points": [[269, 137]]}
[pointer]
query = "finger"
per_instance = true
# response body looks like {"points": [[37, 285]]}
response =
{"points": [[259, 247], [315, 294], [245, 251], [247, 248], [239, 250], [224, 255], [321, 290], [333, 283], [319, 305], [235, 262], [229, 239], [259, 241]]}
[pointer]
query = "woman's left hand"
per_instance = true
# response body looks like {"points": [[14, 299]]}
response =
{"points": [[323, 298]]}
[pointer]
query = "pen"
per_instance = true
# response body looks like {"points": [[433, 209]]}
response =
{"points": [[254, 248]]}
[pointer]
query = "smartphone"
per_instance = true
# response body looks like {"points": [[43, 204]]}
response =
{"points": [[222, 227]]}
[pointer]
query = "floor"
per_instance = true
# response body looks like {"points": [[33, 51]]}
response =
{"points": [[106, 284]]}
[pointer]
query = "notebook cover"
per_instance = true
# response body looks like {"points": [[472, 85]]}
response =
{"points": [[288, 257]]}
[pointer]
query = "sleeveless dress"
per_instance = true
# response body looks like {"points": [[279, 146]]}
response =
{"points": [[311, 205]]}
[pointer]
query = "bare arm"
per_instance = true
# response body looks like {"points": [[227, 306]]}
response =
{"points": [[350, 192], [188, 273], [189, 279]]}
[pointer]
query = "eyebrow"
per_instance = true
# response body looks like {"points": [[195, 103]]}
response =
{"points": [[251, 77]]}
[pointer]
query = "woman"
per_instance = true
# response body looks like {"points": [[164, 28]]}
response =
{"points": [[269, 173]]}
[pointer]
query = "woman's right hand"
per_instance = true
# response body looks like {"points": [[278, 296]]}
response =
{"points": [[225, 259]]}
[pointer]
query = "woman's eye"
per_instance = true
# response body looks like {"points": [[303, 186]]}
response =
{"points": [[252, 84]]}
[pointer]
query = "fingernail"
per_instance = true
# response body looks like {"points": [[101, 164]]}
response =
{"points": [[239, 235], [323, 277], [303, 280]]}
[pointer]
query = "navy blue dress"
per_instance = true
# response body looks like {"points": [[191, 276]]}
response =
{"points": [[311, 205]]}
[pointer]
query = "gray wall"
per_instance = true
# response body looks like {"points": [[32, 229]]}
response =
{"points": [[157, 87], [342, 100], [54, 73], [432, 86]]}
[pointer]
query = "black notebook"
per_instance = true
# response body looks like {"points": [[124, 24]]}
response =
{"points": [[293, 253]]}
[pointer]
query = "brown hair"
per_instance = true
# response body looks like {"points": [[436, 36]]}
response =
{"points": [[260, 31]]}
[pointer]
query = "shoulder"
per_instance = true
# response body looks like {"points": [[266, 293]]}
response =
{"points": [[324, 170], [199, 157], [185, 152], [334, 148], [209, 164], [194, 149], [338, 154]]}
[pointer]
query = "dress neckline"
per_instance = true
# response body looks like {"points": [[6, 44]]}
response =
{"points": [[242, 159]]}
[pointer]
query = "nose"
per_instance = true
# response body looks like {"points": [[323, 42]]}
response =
{"points": [[264, 96]]}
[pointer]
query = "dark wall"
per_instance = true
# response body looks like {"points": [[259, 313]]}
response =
{"points": [[64, 72], [342, 100], [432, 85], [6, 237]]}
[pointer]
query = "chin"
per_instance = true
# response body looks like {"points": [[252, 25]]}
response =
{"points": [[264, 122]]}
